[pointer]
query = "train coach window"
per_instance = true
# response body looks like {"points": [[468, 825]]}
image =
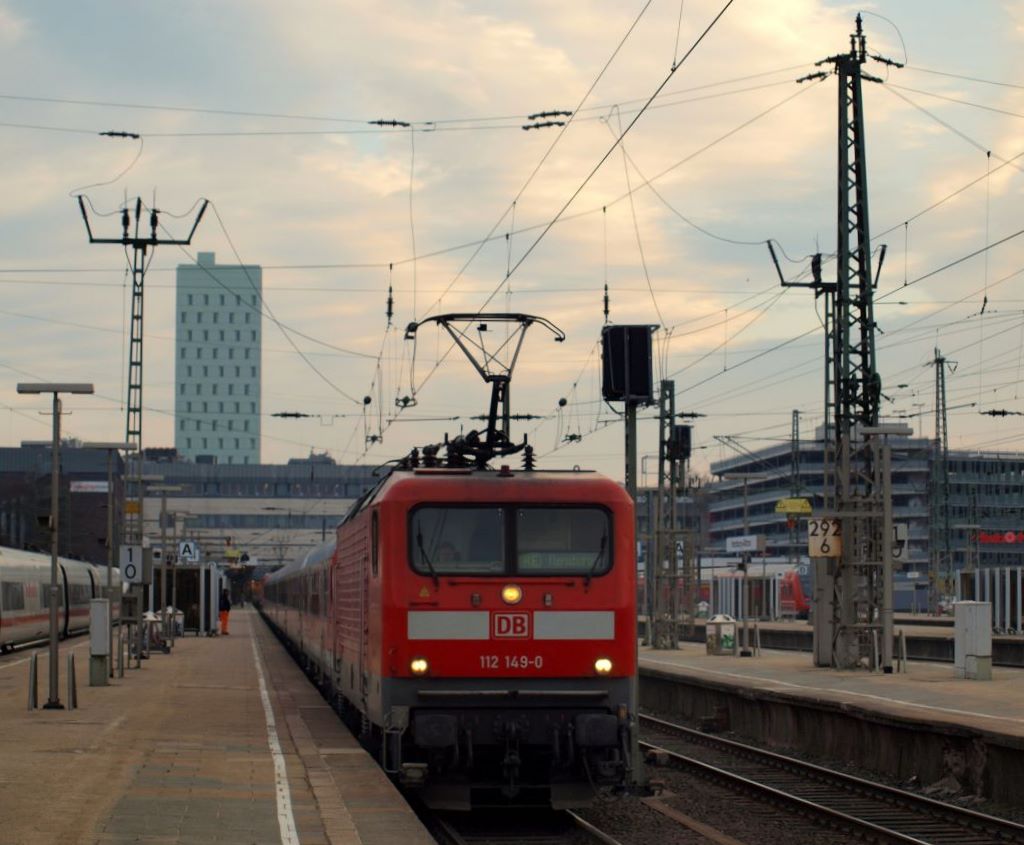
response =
{"points": [[44, 595], [564, 541], [458, 540], [12, 595], [374, 544]]}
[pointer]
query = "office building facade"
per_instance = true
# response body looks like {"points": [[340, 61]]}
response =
{"points": [[217, 371]]}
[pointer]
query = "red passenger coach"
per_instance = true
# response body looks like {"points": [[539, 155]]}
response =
{"points": [[484, 632]]}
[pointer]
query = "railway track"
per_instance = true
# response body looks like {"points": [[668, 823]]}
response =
{"points": [[544, 828], [860, 807]]}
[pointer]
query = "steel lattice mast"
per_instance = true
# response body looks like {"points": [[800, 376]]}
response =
{"points": [[853, 592], [940, 574], [140, 243]]}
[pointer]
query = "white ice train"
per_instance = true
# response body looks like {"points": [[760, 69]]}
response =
{"points": [[25, 592]]}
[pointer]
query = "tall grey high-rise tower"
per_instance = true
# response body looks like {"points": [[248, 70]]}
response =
{"points": [[217, 361]]}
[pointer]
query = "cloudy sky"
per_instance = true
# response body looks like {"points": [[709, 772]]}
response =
{"points": [[264, 109]]}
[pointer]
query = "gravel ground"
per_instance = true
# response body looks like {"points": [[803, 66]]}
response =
{"points": [[1013, 813], [634, 823]]}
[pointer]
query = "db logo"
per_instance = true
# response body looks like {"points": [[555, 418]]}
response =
{"points": [[514, 625]]}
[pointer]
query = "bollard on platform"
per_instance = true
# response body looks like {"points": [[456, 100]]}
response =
{"points": [[33, 676], [72, 683]]}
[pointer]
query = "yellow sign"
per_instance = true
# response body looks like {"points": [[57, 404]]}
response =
{"points": [[793, 506], [131, 506], [424, 593]]}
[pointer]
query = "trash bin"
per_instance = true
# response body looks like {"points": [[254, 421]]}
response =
{"points": [[721, 634]]}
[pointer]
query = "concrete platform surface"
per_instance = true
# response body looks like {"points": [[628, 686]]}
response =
{"points": [[223, 741], [928, 692]]}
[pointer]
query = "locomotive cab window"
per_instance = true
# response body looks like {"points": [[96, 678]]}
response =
{"points": [[562, 541], [509, 540], [458, 540]]}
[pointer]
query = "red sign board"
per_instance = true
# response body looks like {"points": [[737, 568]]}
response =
{"points": [[1001, 537]]}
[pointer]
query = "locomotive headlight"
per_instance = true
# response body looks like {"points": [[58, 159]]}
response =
{"points": [[419, 666], [511, 594], [602, 666]]}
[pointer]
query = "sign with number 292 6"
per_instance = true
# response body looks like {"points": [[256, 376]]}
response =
{"points": [[823, 538]]}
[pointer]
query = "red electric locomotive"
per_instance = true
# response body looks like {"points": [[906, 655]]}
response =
{"points": [[478, 626], [483, 631]]}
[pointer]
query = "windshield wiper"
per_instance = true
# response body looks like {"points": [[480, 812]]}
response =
{"points": [[426, 558], [597, 560]]}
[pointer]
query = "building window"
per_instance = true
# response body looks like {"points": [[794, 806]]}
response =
{"points": [[231, 353], [253, 369], [222, 372], [188, 442], [216, 316], [236, 408], [199, 352], [231, 317], [181, 389], [254, 334], [206, 335], [222, 407], [204, 443], [246, 389], [231, 390], [216, 352], [248, 315], [190, 299], [238, 300], [188, 407], [231, 425], [183, 352], [238, 334], [252, 442], [213, 425], [183, 313], [222, 299], [252, 407], [220, 440], [206, 371], [245, 425], [247, 354], [204, 410], [254, 300], [188, 334], [206, 299], [199, 389], [238, 371], [181, 425], [236, 444], [199, 316], [188, 370]]}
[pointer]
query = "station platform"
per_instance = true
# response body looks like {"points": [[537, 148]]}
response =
{"points": [[222, 741], [927, 638], [923, 726]]}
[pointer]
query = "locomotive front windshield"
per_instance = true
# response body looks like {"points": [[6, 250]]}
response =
{"points": [[499, 540]]}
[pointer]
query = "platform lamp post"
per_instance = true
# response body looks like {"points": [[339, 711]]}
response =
{"points": [[163, 490], [745, 477], [177, 536], [147, 483], [55, 388], [111, 449]]}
